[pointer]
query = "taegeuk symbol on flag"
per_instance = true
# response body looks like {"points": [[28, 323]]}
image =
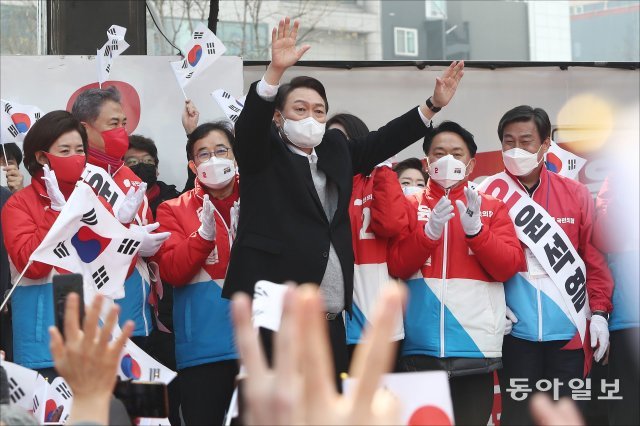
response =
{"points": [[87, 239]]}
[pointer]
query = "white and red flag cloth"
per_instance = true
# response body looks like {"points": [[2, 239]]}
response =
{"points": [[52, 402], [203, 49], [424, 396], [48, 402], [563, 162], [137, 365], [87, 239], [16, 121], [228, 104], [107, 54]]}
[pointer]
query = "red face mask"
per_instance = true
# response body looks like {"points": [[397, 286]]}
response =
{"points": [[68, 169], [116, 142]]}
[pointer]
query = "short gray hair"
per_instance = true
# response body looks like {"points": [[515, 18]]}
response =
{"points": [[88, 103]]}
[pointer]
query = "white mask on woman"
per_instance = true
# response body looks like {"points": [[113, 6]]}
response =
{"points": [[305, 133], [412, 190], [447, 171], [520, 162], [216, 173]]}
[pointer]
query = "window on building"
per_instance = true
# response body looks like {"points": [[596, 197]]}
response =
{"points": [[406, 41], [23, 27]]}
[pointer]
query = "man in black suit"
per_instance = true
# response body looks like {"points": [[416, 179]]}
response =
{"points": [[295, 182]]}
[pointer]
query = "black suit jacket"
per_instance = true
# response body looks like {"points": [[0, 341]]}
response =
{"points": [[283, 232]]}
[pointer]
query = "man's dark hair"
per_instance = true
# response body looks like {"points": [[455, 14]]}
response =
{"points": [[410, 163], [296, 83], [453, 127], [88, 103], [13, 152], [525, 113], [352, 124], [203, 130], [147, 145], [45, 132]]}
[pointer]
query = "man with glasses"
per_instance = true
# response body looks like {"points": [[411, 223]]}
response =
{"points": [[194, 260], [142, 159]]}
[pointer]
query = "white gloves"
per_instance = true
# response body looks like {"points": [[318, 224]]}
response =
{"points": [[131, 204], [440, 215], [235, 217], [599, 330], [53, 190], [207, 228], [510, 320], [150, 242], [470, 214]]}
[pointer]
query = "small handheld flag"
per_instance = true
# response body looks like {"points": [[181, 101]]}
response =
{"points": [[17, 120], [203, 50], [113, 48], [228, 104], [563, 162]]}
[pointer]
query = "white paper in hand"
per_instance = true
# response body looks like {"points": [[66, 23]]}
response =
{"points": [[268, 299], [424, 396]]}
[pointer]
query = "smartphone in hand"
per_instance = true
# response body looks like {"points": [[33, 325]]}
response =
{"points": [[63, 285]]}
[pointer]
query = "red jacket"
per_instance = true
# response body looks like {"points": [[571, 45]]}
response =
{"points": [[183, 255], [492, 255], [378, 212], [26, 219]]}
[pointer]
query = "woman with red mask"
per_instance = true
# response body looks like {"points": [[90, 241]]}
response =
{"points": [[55, 156]]}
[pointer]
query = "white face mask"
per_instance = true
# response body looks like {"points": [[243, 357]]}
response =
{"points": [[411, 190], [447, 171], [3, 177], [306, 133], [520, 162], [216, 173]]}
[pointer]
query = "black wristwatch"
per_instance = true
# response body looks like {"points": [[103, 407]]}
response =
{"points": [[431, 106], [602, 314]]}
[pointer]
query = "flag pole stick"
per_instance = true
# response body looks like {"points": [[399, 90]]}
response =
{"points": [[4, 154], [15, 284], [183, 92]]}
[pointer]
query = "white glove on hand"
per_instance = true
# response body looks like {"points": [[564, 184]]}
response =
{"points": [[131, 204], [599, 330], [53, 190], [511, 319], [470, 214], [207, 228], [440, 215], [150, 242], [235, 217]]}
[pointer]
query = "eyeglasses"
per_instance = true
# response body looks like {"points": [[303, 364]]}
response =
{"points": [[132, 161], [218, 152]]}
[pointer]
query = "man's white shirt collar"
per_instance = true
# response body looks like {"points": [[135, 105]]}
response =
{"points": [[313, 157]]}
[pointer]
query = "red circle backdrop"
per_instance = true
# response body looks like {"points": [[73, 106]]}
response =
{"points": [[130, 101]]}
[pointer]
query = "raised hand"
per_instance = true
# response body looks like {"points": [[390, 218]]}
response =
{"points": [[131, 204], [283, 50], [190, 116], [53, 190], [300, 387], [87, 358], [447, 84]]}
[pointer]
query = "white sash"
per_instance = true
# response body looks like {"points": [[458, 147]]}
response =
{"points": [[104, 185], [551, 246]]}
